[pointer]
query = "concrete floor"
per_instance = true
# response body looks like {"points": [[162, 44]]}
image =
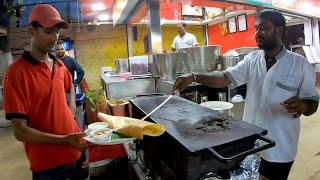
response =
{"points": [[307, 163], [14, 163]]}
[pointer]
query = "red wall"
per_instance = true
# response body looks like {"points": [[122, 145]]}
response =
{"points": [[234, 40], [167, 10]]}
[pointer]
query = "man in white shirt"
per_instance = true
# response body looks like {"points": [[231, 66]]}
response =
{"points": [[184, 39], [280, 87]]}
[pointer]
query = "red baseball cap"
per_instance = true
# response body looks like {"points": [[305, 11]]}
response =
{"points": [[47, 16]]}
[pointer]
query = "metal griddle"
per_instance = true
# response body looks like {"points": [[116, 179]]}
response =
{"points": [[197, 127]]}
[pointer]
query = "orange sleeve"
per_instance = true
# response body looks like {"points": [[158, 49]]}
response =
{"points": [[67, 79], [15, 100]]}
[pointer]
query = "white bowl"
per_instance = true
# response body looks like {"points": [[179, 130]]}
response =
{"points": [[217, 105], [101, 134], [221, 106], [97, 126]]}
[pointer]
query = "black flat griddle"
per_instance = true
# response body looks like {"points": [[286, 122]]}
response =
{"points": [[194, 126]]}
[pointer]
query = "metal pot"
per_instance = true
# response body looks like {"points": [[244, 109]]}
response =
{"points": [[164, 65], [246, 50], [122, 65], [198, 59], [229, 61]]}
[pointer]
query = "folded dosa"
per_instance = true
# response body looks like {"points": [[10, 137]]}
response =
{"points": [[132, 127]]}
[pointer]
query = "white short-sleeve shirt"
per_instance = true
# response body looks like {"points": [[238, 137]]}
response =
{"points": [[186, 41], [292, 75]]}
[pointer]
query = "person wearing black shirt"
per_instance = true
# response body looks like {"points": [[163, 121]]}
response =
{"points": [[71, 64]]}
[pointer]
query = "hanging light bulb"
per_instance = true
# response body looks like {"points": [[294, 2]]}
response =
{"points": [[103, 17], [98, 6]]}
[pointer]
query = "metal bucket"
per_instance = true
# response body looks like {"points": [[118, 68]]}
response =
{"points": [[122, 65], [246, 50], [229, 61], [198, 59], [164, 65]]}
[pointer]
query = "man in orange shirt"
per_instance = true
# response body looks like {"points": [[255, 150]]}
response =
{"points": [[35, 90]]}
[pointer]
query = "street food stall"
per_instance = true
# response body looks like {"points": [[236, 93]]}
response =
{"points": [[137, 71]]}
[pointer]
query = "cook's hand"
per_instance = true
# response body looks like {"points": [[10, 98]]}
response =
{"points": [[182, 82], [294, 106], [75, 141]]}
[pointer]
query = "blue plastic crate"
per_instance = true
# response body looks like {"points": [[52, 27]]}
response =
{"points": [[80, 99]]}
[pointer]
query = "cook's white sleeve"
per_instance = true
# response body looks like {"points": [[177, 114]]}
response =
{"points": [[239, 74], [195, 42], [307, 88]]}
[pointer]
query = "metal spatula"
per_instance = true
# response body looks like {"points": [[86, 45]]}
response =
{"points": [[155, 109]]}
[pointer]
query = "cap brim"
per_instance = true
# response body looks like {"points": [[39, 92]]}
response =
{"points": [[56, 22]]}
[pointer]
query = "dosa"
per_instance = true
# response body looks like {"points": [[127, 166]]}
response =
{"points": [[132, 127]]}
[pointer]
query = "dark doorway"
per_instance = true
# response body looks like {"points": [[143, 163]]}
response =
{"points": [[292, 33]]}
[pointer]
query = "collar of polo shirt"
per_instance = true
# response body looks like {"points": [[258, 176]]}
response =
{"points": [[28, 57]]}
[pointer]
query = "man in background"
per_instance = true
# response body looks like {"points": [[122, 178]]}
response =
{"points": [[71, 64], [299, 50], [184, 39]]}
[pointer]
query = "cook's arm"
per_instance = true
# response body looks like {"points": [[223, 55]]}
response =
{"points": [[307, 100], [236, 75], [311, 107], [307, 93], [215, 79], [296, 106]]}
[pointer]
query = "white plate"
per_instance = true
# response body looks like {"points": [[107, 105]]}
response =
{"points": [[97, 126], [114, 142], [217, 105]]}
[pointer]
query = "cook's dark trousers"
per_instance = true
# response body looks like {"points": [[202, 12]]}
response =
{"points": [[275, 171], [72, 171]]}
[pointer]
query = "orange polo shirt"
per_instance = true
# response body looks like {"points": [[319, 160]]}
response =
{"points": [[34, 93]]}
